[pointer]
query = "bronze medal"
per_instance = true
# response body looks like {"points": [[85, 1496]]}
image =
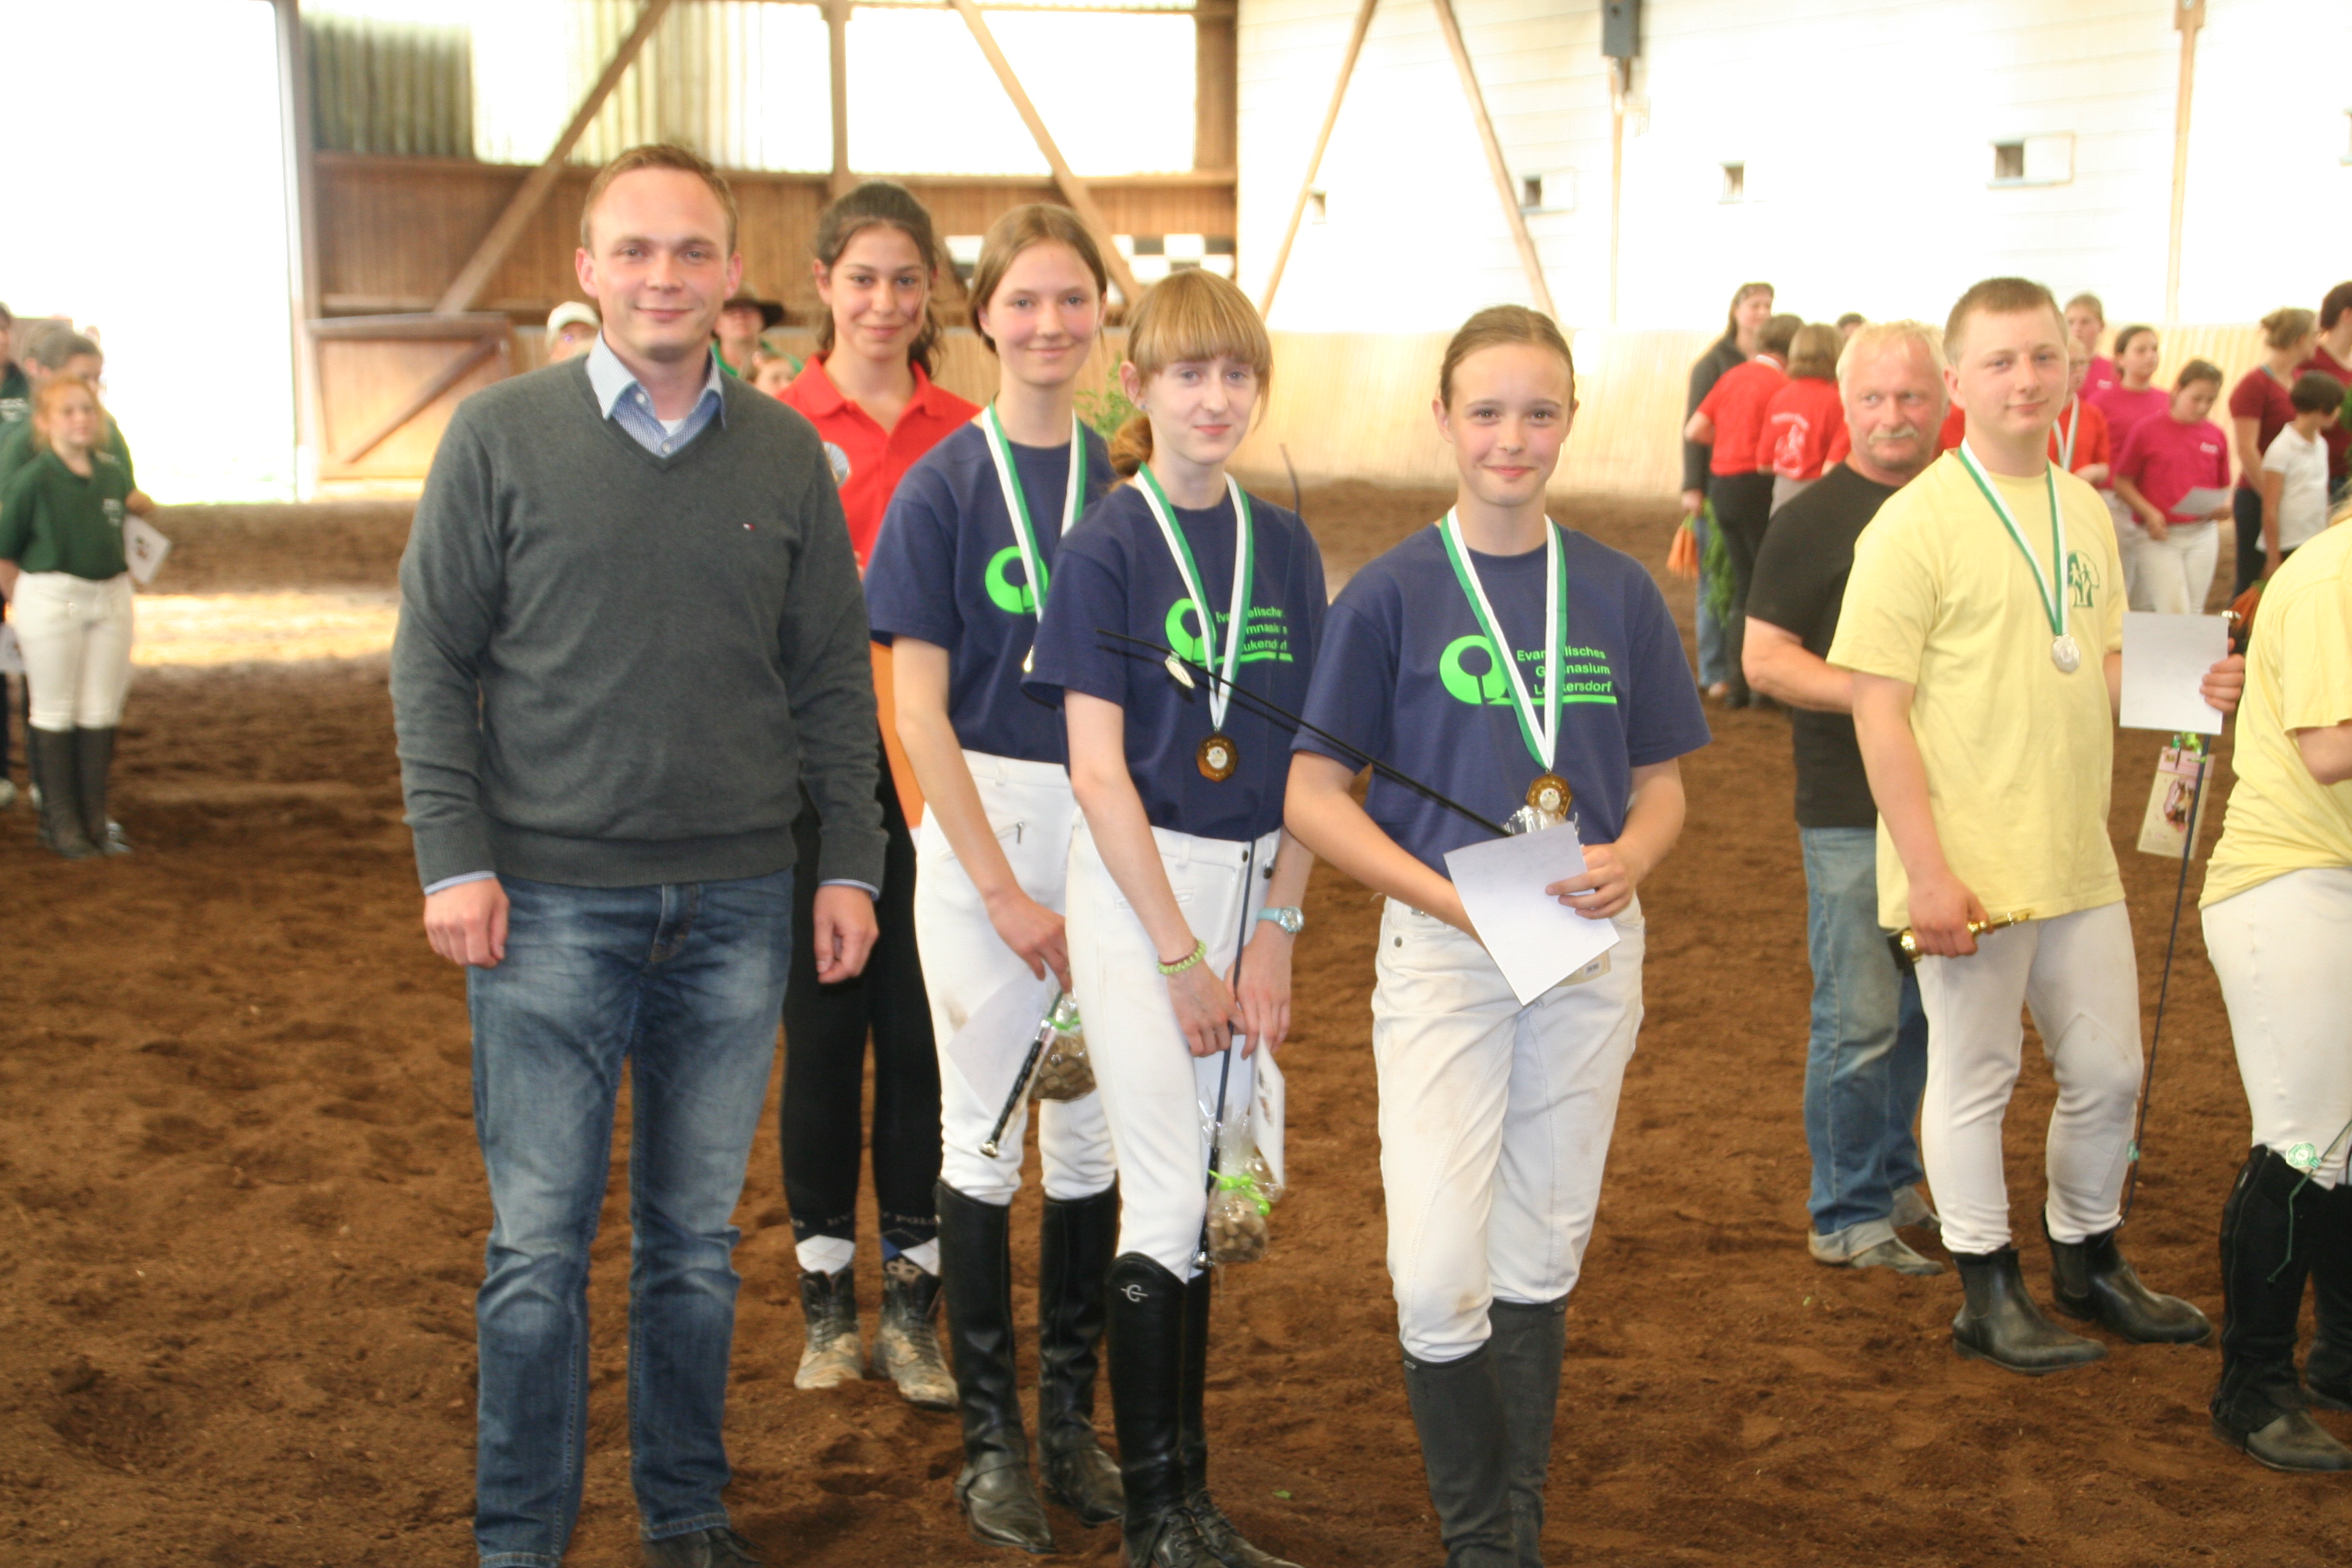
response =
{"points": [[1218, 757], [1551, 795]]}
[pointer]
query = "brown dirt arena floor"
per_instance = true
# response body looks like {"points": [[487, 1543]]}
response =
{"points": [[244, 1214]]}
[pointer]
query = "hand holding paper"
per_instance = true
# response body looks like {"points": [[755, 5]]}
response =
{"points": [[1535, 940], [2164, 661]]}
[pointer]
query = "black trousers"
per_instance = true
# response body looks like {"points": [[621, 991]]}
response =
{"points": [[2246, 514], [1743, 509], [825, 1031]]}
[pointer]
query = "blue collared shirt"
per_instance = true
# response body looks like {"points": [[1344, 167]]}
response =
{"points": [[626, 403], [629, 405]]}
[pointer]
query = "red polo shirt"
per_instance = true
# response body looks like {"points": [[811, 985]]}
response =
{"points": [[1800, 423], [1736, 404], [2090, 436], [878, 458], [2339, 439], [2260, 397], [2167, 460], [2126, 409]]}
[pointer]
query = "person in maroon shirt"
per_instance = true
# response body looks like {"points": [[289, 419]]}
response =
{"points": [[1730, 418], [867, 389], [2259, 410], [2334, 357]]}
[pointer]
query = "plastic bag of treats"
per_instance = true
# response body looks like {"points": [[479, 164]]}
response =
{"points": [[1243, 1196], [1065, 1071]]}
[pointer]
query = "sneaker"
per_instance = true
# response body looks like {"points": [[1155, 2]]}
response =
{"points": [[1912, 1213], [1872, 1244]]}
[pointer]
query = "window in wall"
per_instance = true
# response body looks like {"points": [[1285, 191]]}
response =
{"points": [[2033, 160], [1319, 209], [1734, 183], [1553, 191]]}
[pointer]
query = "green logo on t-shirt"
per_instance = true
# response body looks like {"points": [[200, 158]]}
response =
{"points": [[1269, 637], [1584, 670], [1012, 598], [2082, 580]]}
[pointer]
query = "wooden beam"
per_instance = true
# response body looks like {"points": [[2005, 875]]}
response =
{"points": [[1216, 116], [2189, 17], [423, 397], [1504, 187], [1314, 159], [468, 285], [1074, 189], [1621, 82], [836, 30], [296, 130]]}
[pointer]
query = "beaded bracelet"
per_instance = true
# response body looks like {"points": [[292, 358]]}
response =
{"points": [[1200, 951]]}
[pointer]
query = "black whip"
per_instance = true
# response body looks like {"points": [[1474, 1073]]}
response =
{"points": [[1267, 707], [2164, 987]]}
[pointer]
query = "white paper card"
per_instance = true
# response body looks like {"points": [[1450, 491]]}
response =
{"points": [[12, 652], [988, 1051], [2164, 661], [1268, 1120], [2201, 503], [1536, 941], [145, 547]]}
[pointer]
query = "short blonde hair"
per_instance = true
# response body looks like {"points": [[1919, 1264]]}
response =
{"points": [[1192, 315], [1877, 337]]}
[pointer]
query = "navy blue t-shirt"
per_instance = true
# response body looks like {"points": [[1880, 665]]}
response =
{"points": [[1114, 571], [946, 569], [1406, 674]]}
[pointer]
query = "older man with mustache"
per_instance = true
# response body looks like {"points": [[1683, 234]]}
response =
{"points": [[1867, 1061]]}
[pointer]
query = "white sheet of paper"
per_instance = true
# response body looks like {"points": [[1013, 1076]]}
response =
{"points": [[2164, 661], [989, 1049], [1269, 1117], [1535, 940], [2201, 503], [12, 652], [145, 547]]}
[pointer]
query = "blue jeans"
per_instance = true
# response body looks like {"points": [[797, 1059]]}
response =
{"points": [[1713, 669], [1867, 1063], [684, 983]]}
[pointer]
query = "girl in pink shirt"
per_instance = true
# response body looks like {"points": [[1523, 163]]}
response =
{"points": [[2161, 462]]}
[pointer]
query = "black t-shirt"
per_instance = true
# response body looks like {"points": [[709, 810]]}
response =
{"points": [[1799, 584]]}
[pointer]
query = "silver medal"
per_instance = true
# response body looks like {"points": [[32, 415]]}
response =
{"points": [[2065, 653]]}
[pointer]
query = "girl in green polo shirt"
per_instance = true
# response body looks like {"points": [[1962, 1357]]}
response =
{"points": [[63, 568]]}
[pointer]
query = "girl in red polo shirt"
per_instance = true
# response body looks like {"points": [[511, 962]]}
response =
{"points": [[2162, 462], [1804, 416], [868, 391], [1729, 418]]}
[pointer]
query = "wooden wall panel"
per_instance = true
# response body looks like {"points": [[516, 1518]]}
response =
{"points": [[363, 381], [393, 231]]}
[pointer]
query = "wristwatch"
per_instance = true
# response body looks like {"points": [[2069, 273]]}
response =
{"points": [[1291, 918]]}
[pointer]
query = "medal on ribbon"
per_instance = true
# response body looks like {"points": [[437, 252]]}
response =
{"points": [[2049, 586], [1217, 756], [1016, 505], [1549, 794]]}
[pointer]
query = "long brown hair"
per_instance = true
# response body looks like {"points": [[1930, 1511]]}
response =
{"points": [[1192, 315], [1037, 223], [890, 205], [1740, 296]]}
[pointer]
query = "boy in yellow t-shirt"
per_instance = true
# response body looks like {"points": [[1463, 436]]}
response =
{"points": [[2278, 924], [1983, 621]]}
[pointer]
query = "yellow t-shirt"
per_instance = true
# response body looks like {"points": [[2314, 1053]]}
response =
{"points": [[2020, 756], [2298, 676]]}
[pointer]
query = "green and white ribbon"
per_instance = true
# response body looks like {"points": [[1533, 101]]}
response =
{"points": [[1221, 693], [1016, 503], [1540, 733], [2049, 585]]}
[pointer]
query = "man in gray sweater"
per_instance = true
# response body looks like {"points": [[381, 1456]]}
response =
{"points": [[631, 628]]}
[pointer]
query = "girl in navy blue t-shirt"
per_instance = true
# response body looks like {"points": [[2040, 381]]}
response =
{"points": [[956, 586], [1179, 864], [1507, 662]]}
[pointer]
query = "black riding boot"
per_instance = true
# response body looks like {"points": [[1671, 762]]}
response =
{"points": [[1225, 1541], [998, 1498], [1459, 1412], [1998, 1322], [2328, 1370], [2090, 1280], [1527, 1342], [2271, 1232], [1073, 1251], [50, 754], [1147, 1386], [93, 761]]}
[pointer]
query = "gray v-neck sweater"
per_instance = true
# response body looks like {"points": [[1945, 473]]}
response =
{"points": [[615, 668]]}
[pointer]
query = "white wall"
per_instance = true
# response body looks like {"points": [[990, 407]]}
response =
{"points": [[1866, 128]]}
